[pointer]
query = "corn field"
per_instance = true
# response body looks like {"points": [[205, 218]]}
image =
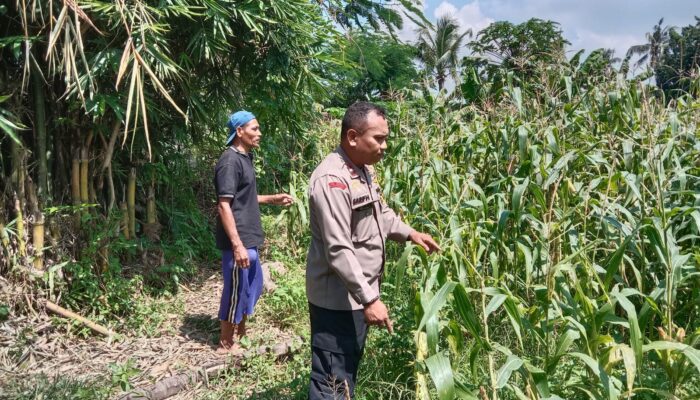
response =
{"points": [[569, 223]]}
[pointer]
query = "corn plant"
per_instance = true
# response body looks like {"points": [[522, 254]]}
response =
{"points": [[569, 229]]}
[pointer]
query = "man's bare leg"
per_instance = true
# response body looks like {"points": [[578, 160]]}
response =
{"points": [[226, 342], [241, 330]]}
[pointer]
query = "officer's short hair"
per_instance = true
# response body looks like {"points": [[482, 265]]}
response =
{"points": [[356, 116]]}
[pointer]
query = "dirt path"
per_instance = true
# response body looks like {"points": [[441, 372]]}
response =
{"points": [[185, 342]]}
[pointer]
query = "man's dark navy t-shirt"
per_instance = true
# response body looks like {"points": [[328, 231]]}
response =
{"points": [[234, 178]]}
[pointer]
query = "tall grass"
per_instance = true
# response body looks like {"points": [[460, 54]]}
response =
{"points": [[569, 219]]}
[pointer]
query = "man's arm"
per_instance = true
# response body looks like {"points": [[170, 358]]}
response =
{"points": [[240, 253], [280, 199]]}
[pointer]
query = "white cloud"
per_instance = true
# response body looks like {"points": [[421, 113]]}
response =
{"points": [[469, 16], [408, 33], [589, 40]]}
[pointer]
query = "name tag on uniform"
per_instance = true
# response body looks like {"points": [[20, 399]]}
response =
{"points": [[363, 203], [360, 200]]}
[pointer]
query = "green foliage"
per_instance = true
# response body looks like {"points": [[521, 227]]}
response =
{"points": [[8, 122], [58, 388], [650, 52], [519, 47], [4, 312], [122, 372], [678, 65], [439, 48], [374, 65], [568, 233]]}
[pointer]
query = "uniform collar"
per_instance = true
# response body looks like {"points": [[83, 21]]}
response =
{"points": [[355, 171]]}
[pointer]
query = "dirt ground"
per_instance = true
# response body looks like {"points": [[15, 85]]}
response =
{"points": [[186, 341]]}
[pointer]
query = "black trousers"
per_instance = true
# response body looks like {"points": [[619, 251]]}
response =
{"points": [[337, 343]]}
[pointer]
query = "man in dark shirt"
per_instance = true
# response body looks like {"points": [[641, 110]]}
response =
{"points": [[239, 230]]}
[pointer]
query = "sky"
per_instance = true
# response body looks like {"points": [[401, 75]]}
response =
{"points": [[587, 24]]}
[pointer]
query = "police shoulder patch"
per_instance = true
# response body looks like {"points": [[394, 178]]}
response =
{"points": [[337, 185]]}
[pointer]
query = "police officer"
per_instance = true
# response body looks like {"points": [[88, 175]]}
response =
{"points": [[349, 225]]}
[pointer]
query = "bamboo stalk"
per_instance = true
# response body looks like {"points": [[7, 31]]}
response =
{"points": [[38, 240], [4, 238], [107, 163], [112, 194], [21, 246], [37, 224], [40, 129], [75, 181], [84, 195], [151, 204], [92, 194], [131, 202], [125, 220], [103, 259], [69, 314], [75, 189]]}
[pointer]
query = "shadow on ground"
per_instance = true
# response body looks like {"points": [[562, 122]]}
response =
{"points": [[202, 328]]}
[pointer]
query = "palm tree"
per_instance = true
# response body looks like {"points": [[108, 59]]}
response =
{"points": [[651, 51], [438, 48]]}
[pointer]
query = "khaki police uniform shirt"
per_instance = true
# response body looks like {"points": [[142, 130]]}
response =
{"points": [[350, 223]]}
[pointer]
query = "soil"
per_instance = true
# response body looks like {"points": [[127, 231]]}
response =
{"points": [[184, 342]]}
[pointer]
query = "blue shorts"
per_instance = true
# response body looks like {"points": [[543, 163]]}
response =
{"points": [[242, 286]]}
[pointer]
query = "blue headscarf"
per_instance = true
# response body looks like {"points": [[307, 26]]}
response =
{"points": [[235, 120]]}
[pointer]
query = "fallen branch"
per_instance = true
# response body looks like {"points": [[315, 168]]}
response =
{"points": [[69, 314], [171, 386]]}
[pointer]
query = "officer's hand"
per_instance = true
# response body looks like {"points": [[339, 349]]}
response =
{"points": [[377, 314], [283, 199], [240, 255], [425, 241]]}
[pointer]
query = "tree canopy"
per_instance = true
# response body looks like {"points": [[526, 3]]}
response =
{"points": [[680, 60]]}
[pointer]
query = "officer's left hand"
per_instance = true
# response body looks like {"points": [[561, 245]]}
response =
{"points": [[425, 241], [283, 199]]}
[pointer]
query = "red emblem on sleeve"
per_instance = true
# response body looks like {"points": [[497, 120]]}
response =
{"points": [[337, 185]]}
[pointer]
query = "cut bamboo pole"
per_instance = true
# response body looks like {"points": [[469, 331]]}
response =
{"points": [[70, 314], [169, 387], [131, 202]]}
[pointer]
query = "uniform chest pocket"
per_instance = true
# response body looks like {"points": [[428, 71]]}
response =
{"points": [[364, 225]]}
